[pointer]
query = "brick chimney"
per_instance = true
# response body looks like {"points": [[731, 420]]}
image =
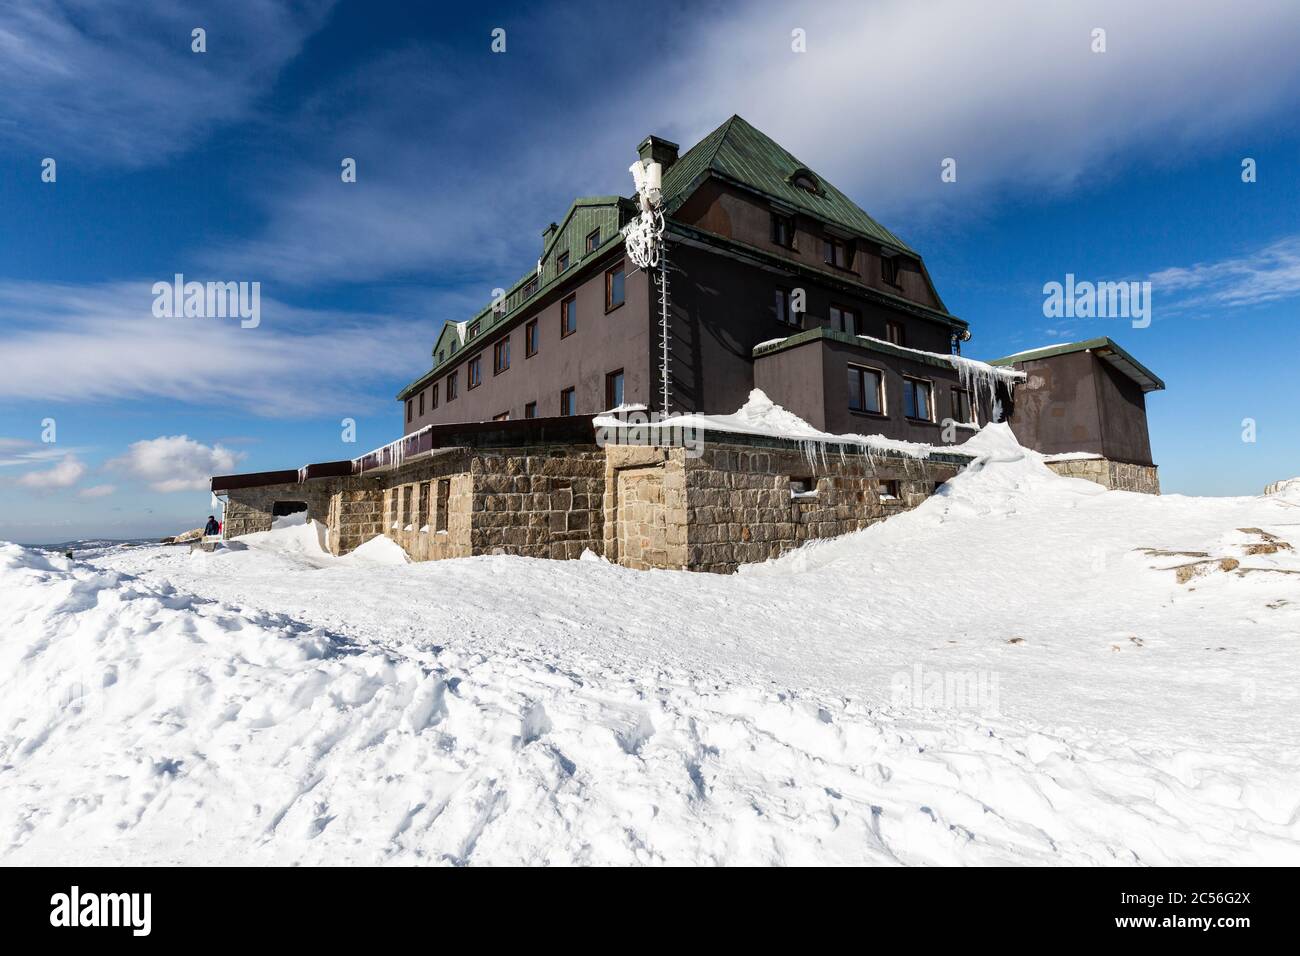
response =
{"points": [[658, 150]]}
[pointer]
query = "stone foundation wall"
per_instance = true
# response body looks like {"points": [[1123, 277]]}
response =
{"points": [[750, 504], [1117, 475], [250, 509]]}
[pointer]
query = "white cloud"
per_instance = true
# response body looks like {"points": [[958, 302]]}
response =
{"points": [[116, 82], [1266, 275], [97, 491], [106, 338], [63, 475], [176, 462]]}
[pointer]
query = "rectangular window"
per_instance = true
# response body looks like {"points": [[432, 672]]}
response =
{"points": [[835, 253], [530, 410], [561, 262], [421, 404], [593, 240], [889, 269], [614, 389], [844, 320], [961, 407], [453, 386], [783, 230], [568, 316], [433, 395], [474, 330], [424, 518], [894, 333], [784, 307], [887, 489], [475, 371], [444, 496], [501, 356], [530, 339], [568, 402], [441, 355], [531, 287], [613, 288], [501, 417], [410, 413], [865, 391], [918, 400]]}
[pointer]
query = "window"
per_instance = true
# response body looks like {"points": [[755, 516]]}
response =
{"points": [[593, 240], [889, 269], [568, 316], [501, 356], [961, 406], [806, 181], [530, 339], [441, 355], [453, 385], [784, 311], [783, 230], [501, 417], [474, 330], [454, 346], [530, 410], [433, 395], [835, 253], [613, 288], [918, 399], [803, 487], [475, 371], [894, 333], [410, 405], [865, 391], [444, 495], [421, 404], [568, 402], [614, 389], [531, 287], [888, 490], [562, 261], [844, 320]]}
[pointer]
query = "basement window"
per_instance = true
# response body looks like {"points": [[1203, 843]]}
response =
{"points": [[888, 490], [803, 487]]}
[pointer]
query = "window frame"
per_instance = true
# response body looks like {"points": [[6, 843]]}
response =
{"points": [[588, 244], [474, 372], [453, 385], [955, 407], [562, 256], [410, 410], [609, 382], [499, 348], [610, 306], [433, 397], [501, 417], [530, 410], [833, 244], [781, 221], [889, 271], [568, 310], [929, 389], [880, 390], [572, 393], [784, 295], [474, 329], [843, 310], [890, 326], [420, 397], [532, 339]]}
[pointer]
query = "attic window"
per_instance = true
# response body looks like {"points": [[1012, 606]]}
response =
{"points": [[531, 287], [473, 330], [805, 180]]}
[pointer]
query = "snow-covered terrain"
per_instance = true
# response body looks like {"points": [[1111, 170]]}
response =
{"points": [[1026, 668]]}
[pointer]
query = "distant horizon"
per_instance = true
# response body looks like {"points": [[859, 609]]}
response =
{"points": [[129, 162]]}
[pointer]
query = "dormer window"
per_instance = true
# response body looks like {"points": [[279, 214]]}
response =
{"points": [[805, 180], [835, 253], [531, 287], [889, 269], [783, 230], [562, 262], [473, 330]]}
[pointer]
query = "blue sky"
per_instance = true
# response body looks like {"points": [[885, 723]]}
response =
{"points": [[224, 165]]}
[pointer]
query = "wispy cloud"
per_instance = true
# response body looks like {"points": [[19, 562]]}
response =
{"points": [[1269, 274], [97, 491], [176, 462], [106, 339], [115, 82], [65, 474]]}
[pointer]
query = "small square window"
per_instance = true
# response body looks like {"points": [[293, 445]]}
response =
{"points": [[887, 489], [918, 399], [530, 410], [531, 287], [593, 240], [614, 389], [614, 291], [474, 330]]}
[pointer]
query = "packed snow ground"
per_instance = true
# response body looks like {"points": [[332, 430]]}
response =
{"points": [[271, 704]]}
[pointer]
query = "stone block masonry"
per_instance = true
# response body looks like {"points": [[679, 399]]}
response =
{"points": [[1116, 475]]}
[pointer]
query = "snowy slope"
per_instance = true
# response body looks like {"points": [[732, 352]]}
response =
{"points": [[270, 703]]}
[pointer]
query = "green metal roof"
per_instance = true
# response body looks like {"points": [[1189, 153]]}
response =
{"points": [[741, 153], [1104, 348]]}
